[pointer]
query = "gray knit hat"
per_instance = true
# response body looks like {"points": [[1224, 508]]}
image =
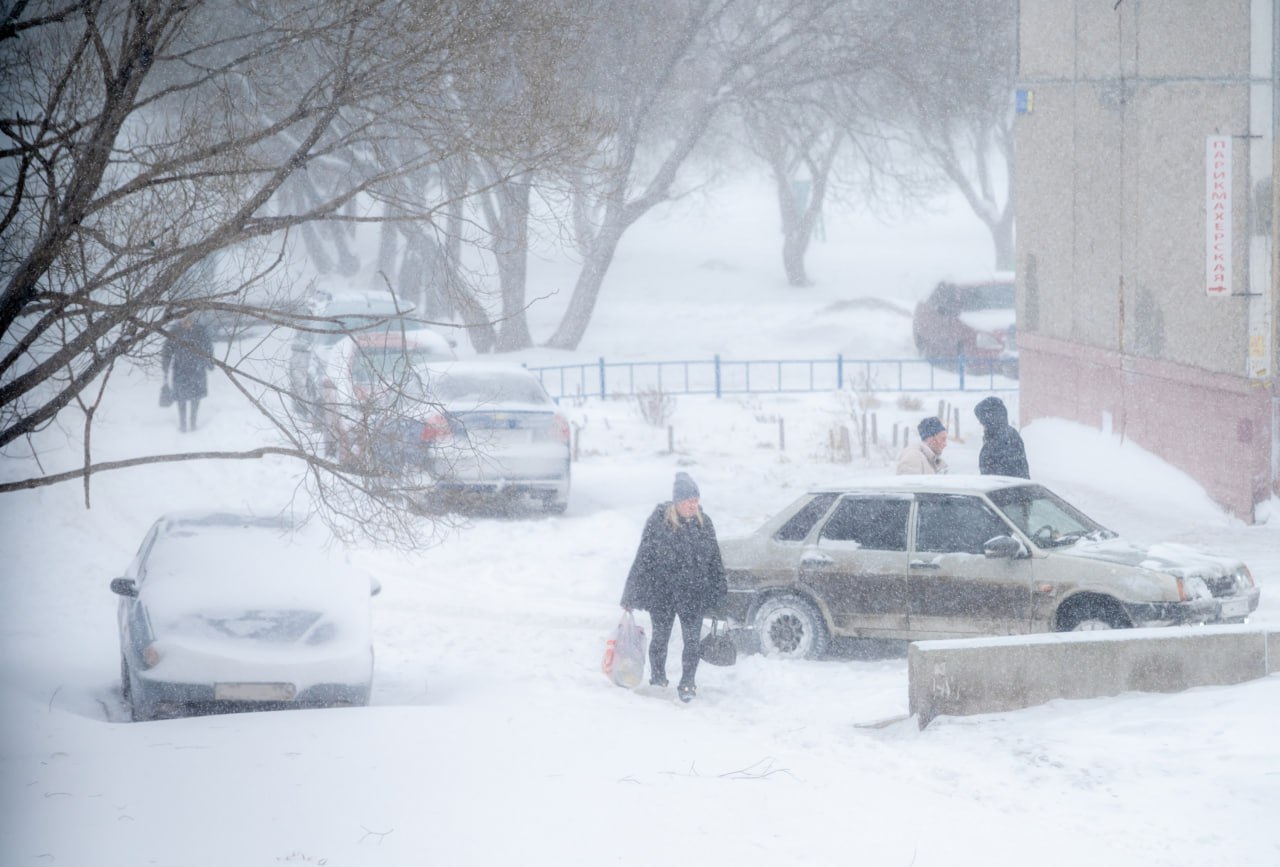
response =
{"points": [[684, 488], [930, 427]]}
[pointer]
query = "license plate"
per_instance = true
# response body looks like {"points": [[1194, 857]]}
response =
{"points": [[253, 691], [1235, 608]]}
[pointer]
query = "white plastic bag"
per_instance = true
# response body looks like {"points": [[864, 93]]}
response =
{"points": [[624, 653]]}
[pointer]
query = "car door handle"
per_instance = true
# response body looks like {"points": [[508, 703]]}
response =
{"points": [[922, 564]]}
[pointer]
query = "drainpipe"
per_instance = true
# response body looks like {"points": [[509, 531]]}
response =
{"points": [[1264, 205], [1262, 157]]}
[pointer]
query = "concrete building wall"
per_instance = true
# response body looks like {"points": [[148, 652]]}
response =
{"points": [[1116, 328]]}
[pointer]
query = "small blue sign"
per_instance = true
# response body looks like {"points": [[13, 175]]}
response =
{"points": [[1026, 101]]}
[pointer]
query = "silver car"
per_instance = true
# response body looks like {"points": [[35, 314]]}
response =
{"points": [[915, 557], [485, 428]]}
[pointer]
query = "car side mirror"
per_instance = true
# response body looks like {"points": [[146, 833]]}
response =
{"points": [[1003, 547], [124, 587]]}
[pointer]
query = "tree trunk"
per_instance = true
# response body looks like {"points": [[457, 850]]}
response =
{"points": [[1002, 235], [587, 289], [480, 330], [512, 252]]}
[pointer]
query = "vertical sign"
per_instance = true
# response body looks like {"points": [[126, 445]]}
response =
{"points": [[1217, 201]]}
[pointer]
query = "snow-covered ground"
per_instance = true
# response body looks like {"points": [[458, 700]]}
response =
{"points": [[494, 738]]}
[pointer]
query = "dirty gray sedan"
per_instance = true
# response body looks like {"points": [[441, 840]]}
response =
{"points": [[914, 557]]}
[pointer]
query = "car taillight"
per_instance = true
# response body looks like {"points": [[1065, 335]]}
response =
{"points": [[1246, 576], [150, 656], [1182, 591], [436, 427], [560, 428]]}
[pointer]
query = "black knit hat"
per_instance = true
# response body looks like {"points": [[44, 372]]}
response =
{"points": [[684, 488], [930, 427]]}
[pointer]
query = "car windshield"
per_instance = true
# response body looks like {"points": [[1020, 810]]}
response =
{"points": [[391, 365], [989, 296], [487, 388], [1050, 521]]}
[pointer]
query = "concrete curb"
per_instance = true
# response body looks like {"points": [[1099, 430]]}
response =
{"points": [[988, 675]]}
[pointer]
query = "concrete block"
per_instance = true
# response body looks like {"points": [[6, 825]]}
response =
{"points": [[991, 675]]}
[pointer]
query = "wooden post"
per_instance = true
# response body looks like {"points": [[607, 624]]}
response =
{"points": [[875, 433], [782, 435], [671, 438]]}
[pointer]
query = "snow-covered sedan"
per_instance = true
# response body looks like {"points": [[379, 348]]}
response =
{"points": [[923, 557], [235, 612]]}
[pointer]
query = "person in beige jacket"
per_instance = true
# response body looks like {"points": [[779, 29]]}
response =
{"points": [[924, 458]]}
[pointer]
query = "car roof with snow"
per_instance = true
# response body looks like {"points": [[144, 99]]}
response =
{"points": [[948, 484]]}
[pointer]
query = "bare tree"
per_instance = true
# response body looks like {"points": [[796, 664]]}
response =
{"points": [[959, 101], [143, 137], [664, 91]]}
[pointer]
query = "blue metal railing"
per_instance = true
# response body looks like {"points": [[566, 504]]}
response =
{"points": [[717, 376]]}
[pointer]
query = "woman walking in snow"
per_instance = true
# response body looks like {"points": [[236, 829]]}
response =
{"points": [[189, 351], [677, 572]]}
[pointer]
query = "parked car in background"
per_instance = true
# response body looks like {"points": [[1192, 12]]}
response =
{"points": [[332, 318], [924, 557], [235, 612], [489, 428], [366, 374], [974, 321]]}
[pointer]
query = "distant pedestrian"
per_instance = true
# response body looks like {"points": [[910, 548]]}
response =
{"points": [[924, 458], [677, 572], [188, 353], [1003, 453]]}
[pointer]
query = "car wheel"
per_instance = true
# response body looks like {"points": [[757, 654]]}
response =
{"points": [[1091, 615], [790, 627]]}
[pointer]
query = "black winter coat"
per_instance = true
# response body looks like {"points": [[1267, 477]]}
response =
{"points": [[190, 353], [1003, 453], [677, 568]]}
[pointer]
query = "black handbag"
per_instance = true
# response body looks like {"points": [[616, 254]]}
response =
{"points": [[716, 647], [166, 395]]}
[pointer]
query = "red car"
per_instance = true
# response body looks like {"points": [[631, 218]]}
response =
{"points": [[975, 322]]}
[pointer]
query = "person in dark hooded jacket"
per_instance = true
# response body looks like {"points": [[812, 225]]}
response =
{"points": [[189, 353], [677, 572], [1003, 453]]}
